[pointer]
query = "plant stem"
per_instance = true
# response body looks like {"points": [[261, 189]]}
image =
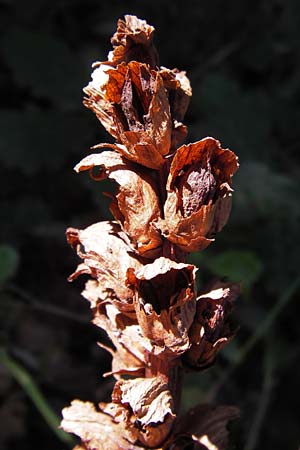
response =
{"points": [[263, 402]]}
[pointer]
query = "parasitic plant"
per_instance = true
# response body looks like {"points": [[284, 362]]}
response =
{"points": [[171, 200]]}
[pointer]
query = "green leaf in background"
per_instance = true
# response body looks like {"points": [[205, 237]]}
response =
{"points": [[238, 266], [9, 260]]}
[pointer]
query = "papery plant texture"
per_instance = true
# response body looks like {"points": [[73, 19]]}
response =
{"points": [[171, 200]]}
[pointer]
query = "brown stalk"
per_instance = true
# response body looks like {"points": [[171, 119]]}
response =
{"points": [[171, 200]]}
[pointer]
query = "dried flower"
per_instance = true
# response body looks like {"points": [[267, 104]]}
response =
{"points": [[212, 328], [132, 103], [199, 194], [165, 304], [133, 41]]}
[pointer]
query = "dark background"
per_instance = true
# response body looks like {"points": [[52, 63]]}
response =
{"points": [[242, 58]]}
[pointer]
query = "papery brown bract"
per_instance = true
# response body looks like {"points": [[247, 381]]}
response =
{"points": [[212, 327], [128, 207], [199, 194], [165, 304]]}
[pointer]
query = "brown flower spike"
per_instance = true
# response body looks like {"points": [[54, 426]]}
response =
{"points": [[170, 201]]}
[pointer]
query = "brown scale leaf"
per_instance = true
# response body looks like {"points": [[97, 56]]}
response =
{"points": [[165, 304], [212, 327], [149, 404], [136, 205], [199, 194], [97, 429]]}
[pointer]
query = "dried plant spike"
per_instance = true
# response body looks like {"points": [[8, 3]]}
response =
{"points": [[170, 201]]}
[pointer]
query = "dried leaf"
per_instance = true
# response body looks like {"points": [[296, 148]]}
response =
{"points": [[136, 205], [150, 404], [165, 304], [97, 429], [107, 255], [199, 194], [212, 328]]}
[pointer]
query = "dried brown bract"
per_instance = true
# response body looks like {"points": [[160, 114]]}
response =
{"points": [[169, 201]]}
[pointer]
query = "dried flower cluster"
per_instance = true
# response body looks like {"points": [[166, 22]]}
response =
{"points": [[171, 200]]}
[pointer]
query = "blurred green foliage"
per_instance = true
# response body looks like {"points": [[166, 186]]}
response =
{"points": [[9, 260], [243, 62]]}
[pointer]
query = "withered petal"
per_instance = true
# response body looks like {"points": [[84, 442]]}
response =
{"points": [[96, 429], [180, 91], [130, 346], [107, 255], [151, 406], [136, 203], [165, 304], [96, 101], [133, 40]]}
